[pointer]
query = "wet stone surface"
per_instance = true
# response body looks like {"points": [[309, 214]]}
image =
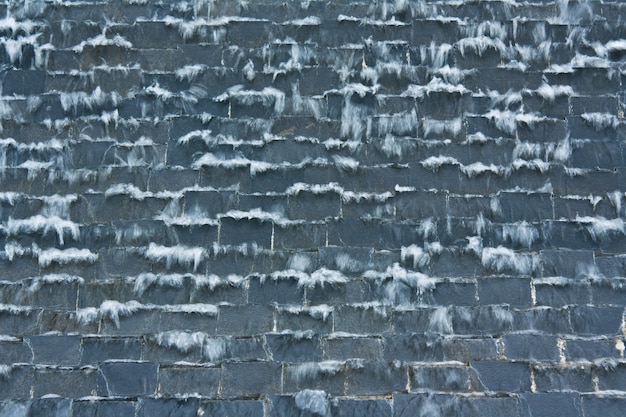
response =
{"points": [[331, 209]]}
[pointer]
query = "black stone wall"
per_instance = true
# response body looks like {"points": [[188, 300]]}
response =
{"points": [[312, 208]]}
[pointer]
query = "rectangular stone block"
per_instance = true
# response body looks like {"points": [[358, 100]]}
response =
{"points": [[343, 348], [293, 347], [551, 404], [245, 320], [590, 320], [356, 408], [509, 290], [183, 407], [325, 376], [469, 349], [376, 378], [55, 350], [18, 384], [68, 383], [530, 347], [185, 380], [416, 347], [440, 378], [563, 378], [269, 291], [96, 350], [502, 376], [368, 320], [103, 408], [127, 379], [247, 379]]}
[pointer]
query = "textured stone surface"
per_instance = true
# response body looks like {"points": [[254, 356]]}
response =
{"points": [[316, 208]]}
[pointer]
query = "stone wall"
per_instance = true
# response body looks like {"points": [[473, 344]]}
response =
{"points": [[312, 208]]}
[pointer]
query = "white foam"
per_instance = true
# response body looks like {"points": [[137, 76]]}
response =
{"points": [[503, 259], [180, 340], [46, 257], [179, 254]]}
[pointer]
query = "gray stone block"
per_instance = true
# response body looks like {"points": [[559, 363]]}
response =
{"points": [[18, 323], [245, 320], [249, 379], [103, 408], [482, 320], [551, 404], [127, 379], [65, 382], [440, 378], [349, 292], [611, 376], [17, 384], [417, 347], [304, 320], [325, 376], [513, 291], [563, 378], [96, 350], [551, 320], [502, 376], [565, 263], [562, 293], [181, 381], [596, 406], [591, 320], [343, 348], [304, 404], [531, 347], [464, 349], [55, 350], [57, 407], [294, 348], [356, 408], [529, 207], [239, 231], [233, 408], [182, 321], [368, 320], [269, 291]]}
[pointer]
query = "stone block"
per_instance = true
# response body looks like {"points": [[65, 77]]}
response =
{"points": [[554, 404], [530, 347], [55, 350], [65, 382], [103, 408], [344, 348], [362, 319], [127, 379], [96, 350], [325, 376], [440, 378], [245, 320], [563, 378], [469, 349], [17, 384], [181, 381], [293, 347], [591, 320], [416, 347], [502, 376], [594, 405], [356, 408], [269, 291], [248, 379], [513, 291], [552, 320]]}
